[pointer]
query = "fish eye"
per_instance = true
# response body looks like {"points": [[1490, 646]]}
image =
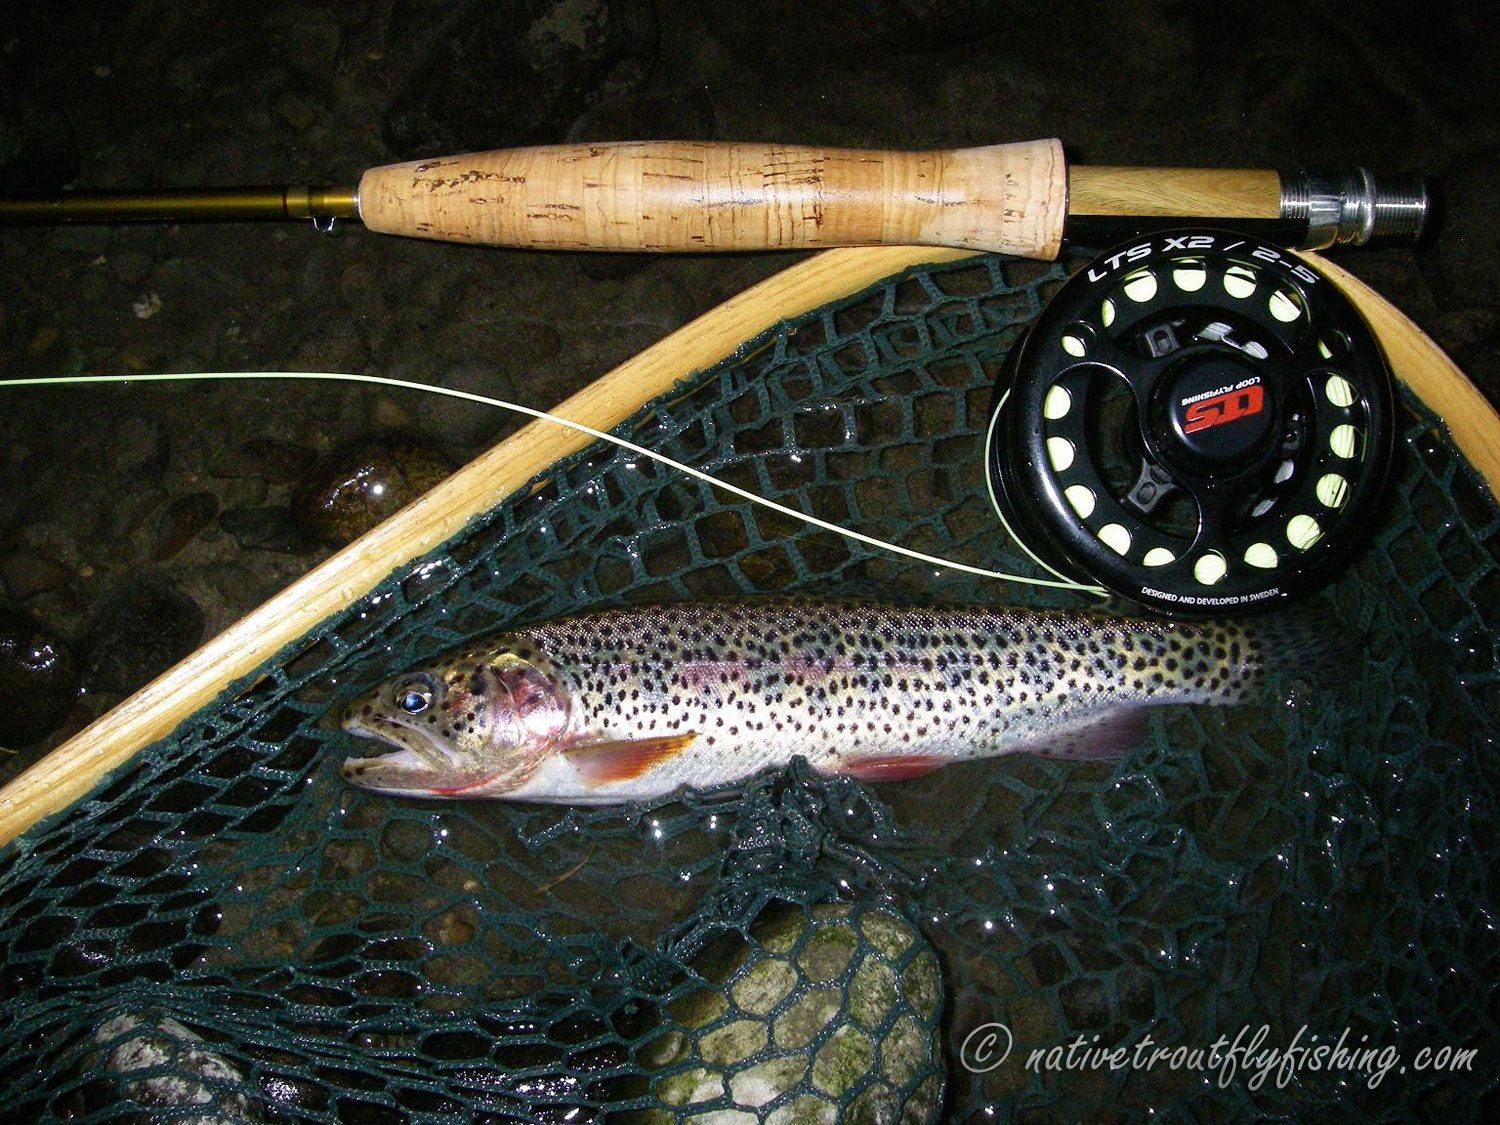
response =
{"points": [[413, 696]]}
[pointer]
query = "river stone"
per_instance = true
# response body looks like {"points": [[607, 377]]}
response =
{"points": [[683, 113], [38, 150], [38, 681], [265, 528], [162, 1064], [501, 73], [832, 1011], [185, 517], [358, 485], [270, 459], [928, 25], [139, 631], [26, 573]]}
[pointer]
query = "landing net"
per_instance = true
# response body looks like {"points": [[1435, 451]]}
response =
{"points": [[224, 928]]}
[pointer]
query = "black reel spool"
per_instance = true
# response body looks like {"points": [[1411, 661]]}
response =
{"points": [[1198, 421]]}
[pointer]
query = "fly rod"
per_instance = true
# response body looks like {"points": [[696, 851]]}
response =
{"points": [[1018, 198]]}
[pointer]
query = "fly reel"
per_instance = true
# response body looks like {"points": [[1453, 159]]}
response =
{"points": [[1197, 421]]}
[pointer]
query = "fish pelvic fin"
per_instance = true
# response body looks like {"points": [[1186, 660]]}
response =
{"points": [[889, 767], [599, 763]]}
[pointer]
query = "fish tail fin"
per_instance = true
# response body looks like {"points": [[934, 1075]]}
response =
{"points": [[1307, 645]]}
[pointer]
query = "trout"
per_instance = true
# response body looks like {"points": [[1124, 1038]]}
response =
{"points": [[628, 704]]}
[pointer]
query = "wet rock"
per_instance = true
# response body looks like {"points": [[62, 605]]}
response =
{"points": [[38, 151], [1456, 330], [355, 487], [500, 73], [926, 25], [679, 114], [296, 112], [185, 518], [814, 1006], [271, 528], [390, 414], [184, 284], [306, 38], [131, 267], [26, 573], [362, 293], [175, 1072], [139, 631], [80, 238], [43, 340], [38, 681], [1463, 255], [273, 460], [94, 288], [330, 345], [228, 589], [141, 447], [120, 519]]}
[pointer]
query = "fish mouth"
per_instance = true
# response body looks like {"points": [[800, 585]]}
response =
{"points": [[415, 766], [397, 773]]}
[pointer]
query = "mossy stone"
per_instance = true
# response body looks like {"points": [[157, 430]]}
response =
{"points": [[812, 990], [872, 993], [763, 985], [827, 952], [806, 1110], [902, 1048], [921, 986], [732, 1043], [690, 1087], [759, 1084], [809, 1014], [843, 1060]]}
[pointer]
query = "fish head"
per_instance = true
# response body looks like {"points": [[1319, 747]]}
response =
{"points": [[473, 725]]}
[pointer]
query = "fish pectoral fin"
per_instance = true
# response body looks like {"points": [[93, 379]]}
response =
{"points": [[889, 767], [1109, 736], [625, 759]]}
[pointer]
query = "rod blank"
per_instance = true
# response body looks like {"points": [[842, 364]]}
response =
{"points": [[179, 205]]}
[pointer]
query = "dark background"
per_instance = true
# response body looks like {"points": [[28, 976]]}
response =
{"points": [[135, 520]]}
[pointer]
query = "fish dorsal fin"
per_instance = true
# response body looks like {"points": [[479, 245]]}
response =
{"points": [[625, 759], [1107, 737]]}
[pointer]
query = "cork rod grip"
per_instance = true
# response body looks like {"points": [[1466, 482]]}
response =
{"points": [[686, 196]]}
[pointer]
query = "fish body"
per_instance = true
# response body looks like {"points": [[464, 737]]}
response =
{"points": [[635, 703]]}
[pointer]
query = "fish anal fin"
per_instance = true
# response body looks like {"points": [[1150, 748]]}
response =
{"points": [[625, 759], [1109, 736], [889, 767]]}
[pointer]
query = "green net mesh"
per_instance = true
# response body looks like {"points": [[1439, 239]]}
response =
{"points": [[225, 932]]}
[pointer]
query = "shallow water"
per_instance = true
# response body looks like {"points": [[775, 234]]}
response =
{"points": [[1313, 865], [1318, 861]]}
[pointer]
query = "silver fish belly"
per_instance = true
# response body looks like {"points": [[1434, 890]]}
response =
{"points": [[635, 703]]}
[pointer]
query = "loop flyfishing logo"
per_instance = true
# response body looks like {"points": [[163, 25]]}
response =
{"points": [[1225, 406]]}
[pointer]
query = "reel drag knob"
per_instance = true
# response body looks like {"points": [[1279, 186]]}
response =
{"points": [[1198, 421]]}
